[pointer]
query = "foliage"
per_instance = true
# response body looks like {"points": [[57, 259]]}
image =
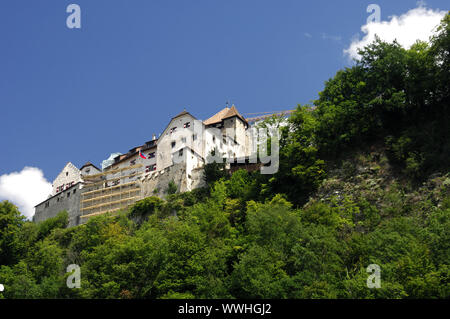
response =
{"points": [[146, 206], [172, 188], [10, 223], [248, 235]]}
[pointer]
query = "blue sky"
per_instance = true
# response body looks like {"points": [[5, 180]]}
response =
{"points": [[80, 94]]}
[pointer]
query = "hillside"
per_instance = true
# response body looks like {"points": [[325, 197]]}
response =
{"points": [[364, 178]]}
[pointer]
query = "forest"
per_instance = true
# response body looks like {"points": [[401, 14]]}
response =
{"points": [[364, 178]]}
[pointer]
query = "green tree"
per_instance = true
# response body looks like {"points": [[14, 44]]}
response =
{"points": [[172, 188], [11, 222]]}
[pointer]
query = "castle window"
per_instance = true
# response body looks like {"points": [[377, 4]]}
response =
{"points": [[173, 144], [194, 137], [183, 140], [47, 204], [180, 152], [187, 124], [214, 138], [173, 129], [67, 173], [68, 194], [75, 190], [151, 155], [132, 162]]}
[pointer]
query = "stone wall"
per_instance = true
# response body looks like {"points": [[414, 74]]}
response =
{"points": [[68, 200], [151, 184], [156, 184]]}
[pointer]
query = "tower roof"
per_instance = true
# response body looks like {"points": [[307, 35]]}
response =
{"points": [[184, 112], [89, 164], [234, 112], [223, 114], [216, 118]]}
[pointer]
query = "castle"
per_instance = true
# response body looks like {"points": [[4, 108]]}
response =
{"points": [[178, 156]]}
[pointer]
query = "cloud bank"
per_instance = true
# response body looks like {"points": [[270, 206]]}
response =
{"points": [[416, 24], [25, 189]]}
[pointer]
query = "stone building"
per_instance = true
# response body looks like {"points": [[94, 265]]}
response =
{"points": [[177, 156], [67, 188]]}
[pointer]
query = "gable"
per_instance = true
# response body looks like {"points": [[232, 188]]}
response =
{"points": [[178, 122], [69, 175]]}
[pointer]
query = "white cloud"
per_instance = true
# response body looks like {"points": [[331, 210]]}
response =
{"points": [[25, 189], [416, 24], [335, 38]]}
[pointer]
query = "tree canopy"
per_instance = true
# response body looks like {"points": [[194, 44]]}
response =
{"points": [[308, 231]]}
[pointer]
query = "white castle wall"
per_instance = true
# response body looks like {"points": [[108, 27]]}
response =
{"points": [[69, 176]]}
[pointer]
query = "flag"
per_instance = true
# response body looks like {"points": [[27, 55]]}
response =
{"points": [[141, 155]]}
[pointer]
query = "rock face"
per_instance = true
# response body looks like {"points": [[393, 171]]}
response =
{"points": [[370, 177]]}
